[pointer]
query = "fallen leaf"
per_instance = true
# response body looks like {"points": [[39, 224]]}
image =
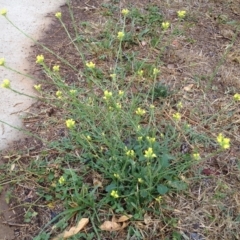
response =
{"points": [[188, 87], [97, 183], [110, 226], [124, 218], [73, 230], [147, 219]]}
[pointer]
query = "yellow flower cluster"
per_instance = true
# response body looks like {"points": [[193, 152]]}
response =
{"points": [[223, 142], [58, 15], [140, 180], [107, 95], [113, 76], [177, 116], [120, 36], [70, 123], [73, 91], [40, 59], [2, 61], [61, 180], [6, 83], [90, 65], [150, 140], [236, 97], [38, 87], [120, 93], [3, 12], [156, 71], [181, 14], [165, 25], [158, 199], [56, 68], [114, 194], [130, 153], [59, 94], [196, 156], [140, 112], [149, 153], [125, 12], [140, 73], [116, 175]]}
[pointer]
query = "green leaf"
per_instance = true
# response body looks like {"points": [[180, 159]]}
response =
{"points": [[110, 187], [162, 189], [144, 193], [178, 185]]}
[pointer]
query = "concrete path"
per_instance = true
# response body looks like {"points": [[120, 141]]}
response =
{"points": [[30, 16]]}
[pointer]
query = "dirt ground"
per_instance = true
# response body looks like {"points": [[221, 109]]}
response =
{"points": [[207, 40]]}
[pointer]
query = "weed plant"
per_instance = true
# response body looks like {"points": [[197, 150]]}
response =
{"points": [[124, 148]]}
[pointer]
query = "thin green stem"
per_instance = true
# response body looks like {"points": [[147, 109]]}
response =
{"points": [[40, 44]]}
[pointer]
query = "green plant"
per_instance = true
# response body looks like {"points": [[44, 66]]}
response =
{"points": [[122, 151]]}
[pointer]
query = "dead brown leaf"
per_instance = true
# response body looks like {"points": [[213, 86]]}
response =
{"points": [[115, 225], [188, 87], [110, 226], [124, 218], [147, 219], [73, 230]]}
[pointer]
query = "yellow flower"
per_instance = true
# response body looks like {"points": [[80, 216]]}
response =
{"points": [[120, 93], [140, 73], [40, 59], [2, 61], [140, 180], [38, 87], [150, 140], [158, 199], [196, 156], [58, 15], [107, 95], [152, 106], [149, 153], [181, 14], [89, 138], [130, 153], [120, 35], [165, 25], [113, 76], [73, 91], [61, 180], [179, 105], [56, 68], [59, 94], [3, 12], [6, 84], [140, 112], [90, 65], [118, 105], [114, 194], [236, 97], [155, 71], [177, 116], [223, 142], [125, 12], [140, 139], [70, 123], [116, 175]]}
